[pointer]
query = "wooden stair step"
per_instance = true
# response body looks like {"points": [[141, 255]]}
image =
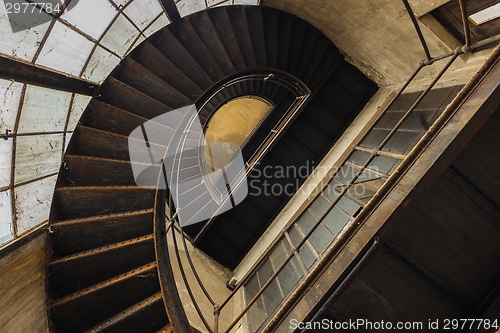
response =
{"points": [[146, 316], [85, 201], [83, 234], [136, 76], [90, 306], [74, 272]]}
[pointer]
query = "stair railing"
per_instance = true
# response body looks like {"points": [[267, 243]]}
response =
{"points": [[166, 220]]}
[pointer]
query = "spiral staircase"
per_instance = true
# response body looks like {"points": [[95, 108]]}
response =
{"points": [[103, 264]]}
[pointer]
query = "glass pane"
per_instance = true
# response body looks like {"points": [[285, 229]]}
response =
{"points": [[374, 138], [64, 44], [348, 205], [401, 142], [120, 36], [100, 65], [307, 255], [486, 15], [365, 191], [383, 164], [295, 235], [67, 140], [364, 176], [272, 297], [319, 207], [5, 161], [321, 238], [121, 3], [333, 190], [37, 156], [256, 315], [246, 2], [10, 95], [44, 110], [161, 22], [346, 173], [294, 261], [288, 278], [251, 288], [359, 157], [24, 43], [79, 105], [6, 228], [307, 220], [389, 120], [137, 43], [265, 271], [278, 255], [419, 120], [143, 12], [101, 12], [187, 7], [305, 252], [32, 203], [335, 220]]}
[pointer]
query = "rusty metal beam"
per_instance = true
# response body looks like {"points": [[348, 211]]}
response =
{"points": [[171, 10], [171, 299], [417, 29], [465, 21], [11, 69]]}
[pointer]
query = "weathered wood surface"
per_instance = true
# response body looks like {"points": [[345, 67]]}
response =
{"points": [[23, 300]]}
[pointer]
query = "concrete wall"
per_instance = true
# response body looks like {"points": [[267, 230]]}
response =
{"points": [[213, 276], [22, 289]]}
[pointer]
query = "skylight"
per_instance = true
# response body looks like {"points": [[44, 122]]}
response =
{"points": [[486, 15]]}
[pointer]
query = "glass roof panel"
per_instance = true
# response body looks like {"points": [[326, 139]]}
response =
{"points": [[486, 15], [246, 2], [70, 50], [216, 3], [187, 7], [37, 156], [67, 140], [5, 162], [143, 12], [32, 202], [44, 110], [91, 16], [64, 44], [10, 96], [6, 229], [100, 65], [121, 3], [120, 36], [137, 43], [161, 22], [80, 102], [22, 44]]}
